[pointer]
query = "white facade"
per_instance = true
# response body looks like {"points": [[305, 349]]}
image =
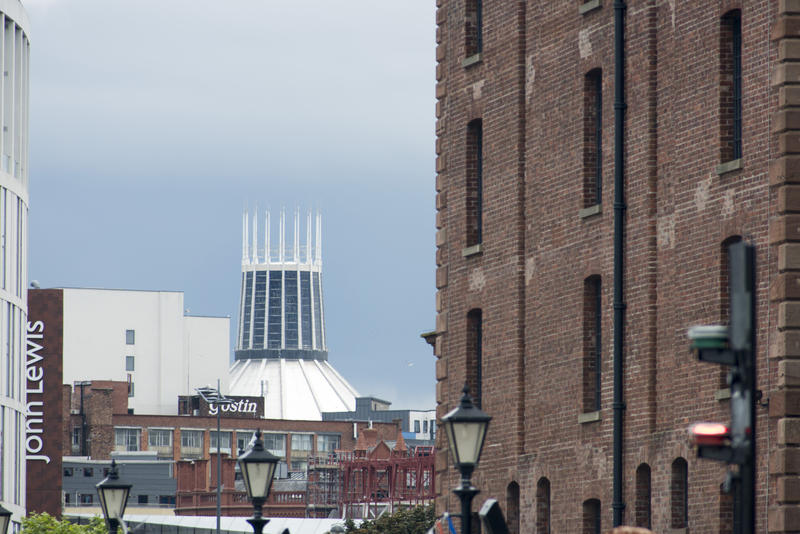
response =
{"points": [[422, 424], [144, 338], [14, 54]]}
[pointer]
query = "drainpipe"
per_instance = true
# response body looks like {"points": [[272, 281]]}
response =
{"points": [[618, 504]]}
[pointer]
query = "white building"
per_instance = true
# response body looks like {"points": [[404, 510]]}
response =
{"points": [[14, 54], [112, 334]]}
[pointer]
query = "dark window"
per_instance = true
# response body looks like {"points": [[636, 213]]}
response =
{"points": [[67, 471], [259, 309], [679, 498], [129, 363], [474, 174], [474, 354], [247, 308], [592, 343], [67, 499], [512, 508], [130, 387], [642, 503], [425, 426], [473, 27], [88, 471], [142, 499], [86, 498], [130, 337], [591, 517], [543, 506], [416, 426], [593, 138], [166, 499], [730, 90], [275, 290], [305, 308], [290, 307], [320, 343]]}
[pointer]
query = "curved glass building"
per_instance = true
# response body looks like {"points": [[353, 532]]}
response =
{"points": [[281, 353], [14, 54]]}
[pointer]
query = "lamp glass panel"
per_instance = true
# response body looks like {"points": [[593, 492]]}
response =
{"points": [[258, 478], [468, 437], [4, 520], [114, 500]]}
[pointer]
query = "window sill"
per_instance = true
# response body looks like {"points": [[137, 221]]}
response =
{"points": [[591, 211], [589, 417], [589, 6], [722, 394], [474, 250], [472, 60], [729, 166]]}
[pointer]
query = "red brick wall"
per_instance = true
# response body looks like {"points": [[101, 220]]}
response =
{"points": [[538, 246]]}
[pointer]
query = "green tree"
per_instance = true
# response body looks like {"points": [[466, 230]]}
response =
{"points": [[44, 523], [417, 520]]}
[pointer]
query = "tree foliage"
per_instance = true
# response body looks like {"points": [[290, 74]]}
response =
{"points": [[44, 523], [417, 520]]}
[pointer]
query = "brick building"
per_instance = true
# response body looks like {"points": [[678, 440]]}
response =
{"points": [[535, 125]]}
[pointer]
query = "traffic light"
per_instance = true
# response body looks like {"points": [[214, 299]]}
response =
{"points": [[734, 345]]}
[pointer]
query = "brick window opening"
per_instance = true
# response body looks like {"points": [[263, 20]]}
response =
{"points": [[474, 167], [641, 510], [473, 27], [593, 138], [543, 506], [591, 517], [592, 343], [725, 294], [679, 497], [730, 86], [512, 508], [474, 354]]}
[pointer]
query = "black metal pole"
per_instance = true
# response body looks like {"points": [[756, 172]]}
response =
{"points": [[466, 492], [112, 526], [618, 504], [219, 461], [257, 521]]}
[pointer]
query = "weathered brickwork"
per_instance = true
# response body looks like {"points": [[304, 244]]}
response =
{"points": [[541, 241]]}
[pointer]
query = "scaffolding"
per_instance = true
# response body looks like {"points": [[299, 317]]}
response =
{"points": [[363, 485]]}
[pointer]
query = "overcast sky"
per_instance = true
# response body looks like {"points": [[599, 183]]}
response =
{"points": [[154, 122]]}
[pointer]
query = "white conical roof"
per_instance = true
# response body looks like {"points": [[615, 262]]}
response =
{"points": [[293, 388]]}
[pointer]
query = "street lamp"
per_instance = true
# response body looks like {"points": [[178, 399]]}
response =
{"points": [[214, 396], [113, 494], [466, 430], [5, 519], [258, 468]]}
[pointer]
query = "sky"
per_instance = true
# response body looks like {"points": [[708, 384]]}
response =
{"points": [[153, 123]]}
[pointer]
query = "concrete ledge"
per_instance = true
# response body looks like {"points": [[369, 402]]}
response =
{"points": [[591, 5], [729, 166], [597, 209], [589, 417], [472, 60], [472, 251], [722, 394]]}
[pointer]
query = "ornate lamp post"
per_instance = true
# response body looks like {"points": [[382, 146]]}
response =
{"points": [[258, 468], [113, 494], [5, 520], [466, 430]]}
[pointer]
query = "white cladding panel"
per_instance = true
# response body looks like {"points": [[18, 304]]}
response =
{"points": [[165, 345]]}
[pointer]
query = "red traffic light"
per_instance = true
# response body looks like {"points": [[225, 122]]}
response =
{"points": [[715, 434]]}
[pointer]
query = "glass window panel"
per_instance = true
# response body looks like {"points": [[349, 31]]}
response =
{"points": [[246, 303], [259, 309], [290, 309], [274, 333], [305, 308]]}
